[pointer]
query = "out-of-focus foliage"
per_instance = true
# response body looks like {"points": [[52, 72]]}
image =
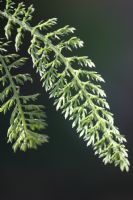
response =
{"points": [[27, 118]]}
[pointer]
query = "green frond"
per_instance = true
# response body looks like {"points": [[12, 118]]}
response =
{"points": [[44, 25], [22, 78], [9, 6], [15, 63], [60, 32], [28, 98], [7, 105], [76, 90], [73, 42], [27, 119], [3, 45], [6, 91]]}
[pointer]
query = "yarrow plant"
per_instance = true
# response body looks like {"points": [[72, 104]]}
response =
{"points": [[72, 82]]}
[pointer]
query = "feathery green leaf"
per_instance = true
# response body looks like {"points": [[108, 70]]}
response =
{"points": [[26, 119]]}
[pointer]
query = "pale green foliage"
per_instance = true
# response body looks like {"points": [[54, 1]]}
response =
{"points": [[27, 118], [72, 82]]}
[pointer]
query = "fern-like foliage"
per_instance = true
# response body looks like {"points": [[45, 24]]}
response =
{"points": [[71, 81], [27, 118]]}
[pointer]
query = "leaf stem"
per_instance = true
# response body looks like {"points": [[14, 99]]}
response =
{"points": [[15, 93]]}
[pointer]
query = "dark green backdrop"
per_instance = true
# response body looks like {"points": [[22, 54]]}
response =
{"points": [[65, 169]]}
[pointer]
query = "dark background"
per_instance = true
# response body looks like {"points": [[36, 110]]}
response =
{"points": [[65, 168]]}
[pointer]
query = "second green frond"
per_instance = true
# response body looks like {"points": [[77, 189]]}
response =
{"points": [[27, 119]]}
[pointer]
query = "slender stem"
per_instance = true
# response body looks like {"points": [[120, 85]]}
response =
{"points": [[15, 92]]}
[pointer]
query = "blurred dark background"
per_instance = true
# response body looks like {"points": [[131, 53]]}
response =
{"points": [[65, 168]]}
